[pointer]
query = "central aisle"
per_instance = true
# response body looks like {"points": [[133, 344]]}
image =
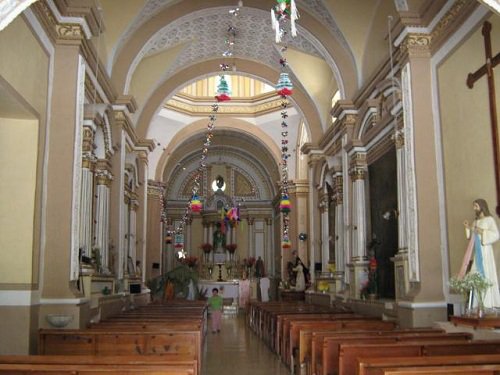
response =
{"points": [[237, 350]]}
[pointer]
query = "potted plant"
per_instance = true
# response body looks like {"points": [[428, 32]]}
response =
{"points": [[471, 282]]}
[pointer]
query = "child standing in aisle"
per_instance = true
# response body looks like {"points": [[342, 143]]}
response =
{"points": [[215, 304]]}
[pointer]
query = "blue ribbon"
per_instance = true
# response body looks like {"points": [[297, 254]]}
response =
{"points": [[478, 254]]}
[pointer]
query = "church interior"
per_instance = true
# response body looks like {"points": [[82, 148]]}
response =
{"points": [[315, 152]]}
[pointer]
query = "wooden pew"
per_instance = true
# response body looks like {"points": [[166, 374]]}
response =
{"points": [[140, 365], [119, 341], [304, 355], [449, 369], [332, 345], [348, 324], [376, 366], [350, 352], [283, 323]]}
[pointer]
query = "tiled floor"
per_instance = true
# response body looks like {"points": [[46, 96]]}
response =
{"points": [[237, 350]]}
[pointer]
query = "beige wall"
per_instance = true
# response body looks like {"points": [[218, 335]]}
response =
{"points": [[24, 64], [18, 152], [24, 70], [466, 134]]}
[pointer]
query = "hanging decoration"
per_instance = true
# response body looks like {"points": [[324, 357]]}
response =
{"points": [[282, 12], [223, 94], [223, 90], [284, 89], [285, 204], [232, 216], [196, 204]]}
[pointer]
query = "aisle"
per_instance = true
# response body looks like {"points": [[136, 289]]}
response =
{"points": [[237, 350]]}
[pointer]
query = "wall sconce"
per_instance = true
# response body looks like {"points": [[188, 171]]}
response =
{"points": [[302, 236]]}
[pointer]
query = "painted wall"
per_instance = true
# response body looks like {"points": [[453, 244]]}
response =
{"points": [[24, 70], [466, 138], [17, 198]]}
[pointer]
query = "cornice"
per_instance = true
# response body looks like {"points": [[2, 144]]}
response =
{"points": [[239, 107]]}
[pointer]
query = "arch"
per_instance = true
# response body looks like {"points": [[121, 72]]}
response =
{"points": [[303, 102], [199, 126], [344, 59]]}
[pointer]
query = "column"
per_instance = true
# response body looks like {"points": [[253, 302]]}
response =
{"points": [[358, 174], [251, 247], [134, 206], [87, 186], [268, 251], [205, 232], [358, 270], [64, 175], [155, 240], [103, 180], [187, 236], [124, 251], [339, 232], [325, 232]]}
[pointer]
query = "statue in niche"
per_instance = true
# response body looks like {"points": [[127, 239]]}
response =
{"points": [[219, 239], [219, 182]]}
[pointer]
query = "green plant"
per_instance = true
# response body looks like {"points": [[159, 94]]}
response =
{"points": [[471, 281]]}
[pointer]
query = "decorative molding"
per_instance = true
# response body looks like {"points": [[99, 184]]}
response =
{"points": [[191, 108], [416, 45], [10, 9]]}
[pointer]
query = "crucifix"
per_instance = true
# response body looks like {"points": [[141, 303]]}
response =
{"points": [[487, 69]]}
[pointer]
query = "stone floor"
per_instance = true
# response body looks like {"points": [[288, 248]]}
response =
{"points": [[237, 350]]}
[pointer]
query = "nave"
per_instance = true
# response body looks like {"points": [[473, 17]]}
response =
{"points": [[236, 349]]}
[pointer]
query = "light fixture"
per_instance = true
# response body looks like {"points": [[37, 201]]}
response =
{"points": [[302, 236]]}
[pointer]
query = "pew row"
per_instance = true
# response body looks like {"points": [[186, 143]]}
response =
{"points": [[110, 365], [376, 366]]}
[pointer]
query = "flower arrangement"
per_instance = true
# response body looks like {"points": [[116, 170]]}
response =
{"points": [[471, 281], [249, 262], [190, 261], [231, 247], [207, 247]]}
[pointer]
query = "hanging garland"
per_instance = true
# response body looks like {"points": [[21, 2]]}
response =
{"points": [[223, 94], [284, 88]]}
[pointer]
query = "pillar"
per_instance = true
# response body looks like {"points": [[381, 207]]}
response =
{"points": [[103, 180], [87, 187], [359, 262], [339, 232], [325, 232], [269, 264]]}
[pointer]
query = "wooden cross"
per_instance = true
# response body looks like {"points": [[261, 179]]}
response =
{"points": [[471, 79]]}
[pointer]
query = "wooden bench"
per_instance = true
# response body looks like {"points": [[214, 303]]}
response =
{"points": [[332, 346], [304, 355], [341, 324], [449, 369], [349, 353], [116, 342], [376, 366], [139, 365]]}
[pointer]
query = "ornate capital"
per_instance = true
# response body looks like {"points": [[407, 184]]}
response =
{"points": [[357, 173], [156, 189], [69, 31], [134, 204], [88, 139], [103, 177], [339, 189], [417, 45], [399, 138], [88, 160]]}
